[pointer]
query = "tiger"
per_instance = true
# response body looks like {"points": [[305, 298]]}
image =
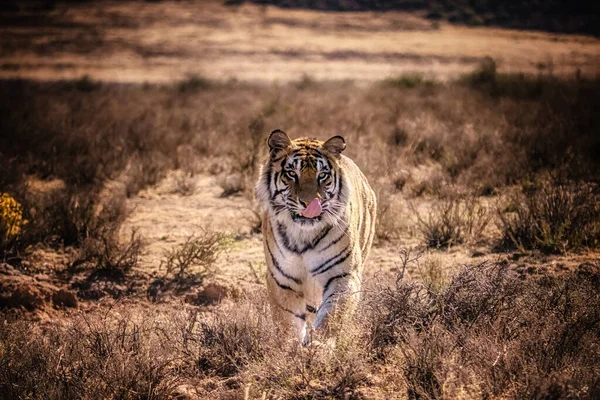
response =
{"points": [[318, 225]]}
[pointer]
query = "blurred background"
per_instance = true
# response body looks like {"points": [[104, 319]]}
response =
{"points": [[162, 41]]}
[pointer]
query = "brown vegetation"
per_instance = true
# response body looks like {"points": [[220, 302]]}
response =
{"points": [[71, 154], [486, 334]]}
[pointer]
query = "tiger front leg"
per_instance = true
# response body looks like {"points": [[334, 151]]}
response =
{"points": [[288, 308], [340, 294]]}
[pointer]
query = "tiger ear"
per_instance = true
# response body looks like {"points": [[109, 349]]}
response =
{"points": [[278, 140], [335, 145]]}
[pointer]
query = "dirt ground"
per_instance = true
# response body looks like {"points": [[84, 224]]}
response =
{"points": [[165, 218], [167, 41]]}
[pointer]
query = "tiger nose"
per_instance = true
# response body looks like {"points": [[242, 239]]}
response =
{"points": [[304, 200]]}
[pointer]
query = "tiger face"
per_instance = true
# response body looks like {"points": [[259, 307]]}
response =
{"points": [[302, 182]]}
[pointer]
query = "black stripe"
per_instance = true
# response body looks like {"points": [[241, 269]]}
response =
{"points": [[308, 246], [268, 177], [338, 262], [314, 271], [333, 278], [276, 264], [277, 193], [336, 240], [284, 287], [311, 309], [321, 236], [276, 243], [299, 316], [284, 238]]}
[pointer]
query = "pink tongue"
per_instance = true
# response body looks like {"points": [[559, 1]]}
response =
{"points": [[313, 209]]}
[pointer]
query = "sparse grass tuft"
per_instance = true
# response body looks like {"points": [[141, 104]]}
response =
{"points": [[432, 272], [196, 255], [554, 218], [453, 221], [112, 256]]}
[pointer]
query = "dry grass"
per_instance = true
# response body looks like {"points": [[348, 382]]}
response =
{"points": [[555, 218], [111, 256], [196, 255], [99, 356], [481, 333], [487, 333], [479, 134], [259, 43], [453, 221]]}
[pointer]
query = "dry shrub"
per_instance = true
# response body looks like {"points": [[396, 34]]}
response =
{"points": [[110, 255], [486, 334], [234, 338], [408, 81], [432, 272], [453, 221], [489, 334], [554, 218], [248, 153], [94, 229], [240, 343], [317, 373], [389, 221], [194, 83], [471, 135], [187, 163], [185, 184], [232, 183], [196, 255], [100, 355]]}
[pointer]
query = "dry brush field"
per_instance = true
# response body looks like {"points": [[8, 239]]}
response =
{"points": [[130, 241]]}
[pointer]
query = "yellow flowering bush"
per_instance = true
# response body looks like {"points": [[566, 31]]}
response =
{"points": [[11, 218]]}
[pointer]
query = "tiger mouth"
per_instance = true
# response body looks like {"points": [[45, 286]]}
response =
{"points": [[304, 220]]}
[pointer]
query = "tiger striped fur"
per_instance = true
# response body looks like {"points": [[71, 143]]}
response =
{"points": [[314, 265]]}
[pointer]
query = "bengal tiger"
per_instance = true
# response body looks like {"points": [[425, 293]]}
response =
{"points": [[318, 227]]}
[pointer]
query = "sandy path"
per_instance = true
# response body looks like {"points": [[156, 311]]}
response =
{"points": [[165, 218]]}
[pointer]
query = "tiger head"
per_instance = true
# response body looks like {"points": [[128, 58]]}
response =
{"points": [[302, 181]]}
